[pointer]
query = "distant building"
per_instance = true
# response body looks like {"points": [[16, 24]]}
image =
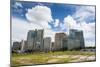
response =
{"points": [[31, 37], [23, 46], [73, 44], [59, 41], [16, 46], [75, 39], [39, 40], [52, 46], [47, 44], [65, 43], [35, 40]]}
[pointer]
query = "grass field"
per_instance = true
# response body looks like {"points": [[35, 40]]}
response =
{"points": [[51, 57]]}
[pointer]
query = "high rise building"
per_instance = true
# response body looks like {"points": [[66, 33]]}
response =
{"points": [[35, 40], [73, 44], [47, 44], [59, 41], [65, 43], [31, 38], [39, 40], [75, 39]]}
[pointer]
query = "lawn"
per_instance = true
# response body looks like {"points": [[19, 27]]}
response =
{"points": [[51, 57]]}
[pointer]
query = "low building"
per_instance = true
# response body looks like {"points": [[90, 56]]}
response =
{"points": [[16, 46], [23, 46]]}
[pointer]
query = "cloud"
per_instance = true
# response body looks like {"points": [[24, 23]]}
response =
{"points": [[83, 19], [38, 18], [89, 33], [40, 15], [70, 22], [57, 23], [85, 13], [63, 27], [20, 29], [17, 4], [50, 33], [88, 28]]}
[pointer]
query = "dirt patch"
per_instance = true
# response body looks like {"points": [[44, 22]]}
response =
{"points": [[84, 58], [75, 58], [61, 56], [25, 60], [53, 61]]}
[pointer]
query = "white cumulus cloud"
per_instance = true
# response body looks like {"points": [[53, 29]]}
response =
{"points": [[69, 22], [57, 23], [40, 15]]}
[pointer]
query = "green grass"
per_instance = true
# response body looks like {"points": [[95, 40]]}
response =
{"points": [[43, 58]]}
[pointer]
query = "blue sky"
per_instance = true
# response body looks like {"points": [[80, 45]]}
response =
{"points": [[55, 8], [52, 17]]}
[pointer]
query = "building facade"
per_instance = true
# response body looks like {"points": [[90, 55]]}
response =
{"points": [[16, 46], [39, 40], [73, 44], [35, 40], [59, 41], [23, 46], [31, 37], [52, 46], [75, 39], [47, 44], [65, 43]]}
